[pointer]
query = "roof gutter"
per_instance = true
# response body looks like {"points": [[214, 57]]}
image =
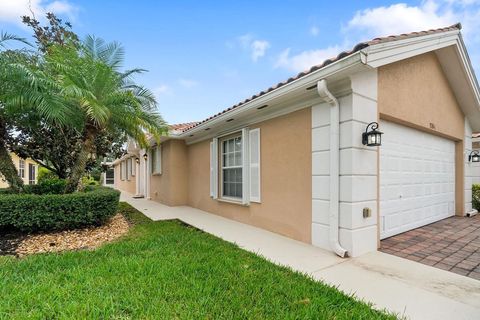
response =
{"points": [[324, 93], [303, 82]]}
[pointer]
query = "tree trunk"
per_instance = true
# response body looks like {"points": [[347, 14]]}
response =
{"points": [[78, 169], [7, 167]]}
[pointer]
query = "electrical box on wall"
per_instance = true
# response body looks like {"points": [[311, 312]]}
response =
{"points": [[367, 212]]}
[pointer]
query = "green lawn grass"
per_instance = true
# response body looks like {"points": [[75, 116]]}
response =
{"points": [[166, 270]]}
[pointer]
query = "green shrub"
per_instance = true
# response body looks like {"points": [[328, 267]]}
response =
{"points": [[89, 181], [45, 174], [32, 212], [46, 186], [476, 196]]}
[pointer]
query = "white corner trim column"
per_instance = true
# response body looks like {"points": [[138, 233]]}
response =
{"points": [[138, 193], [147, 174], [358, 168], [469, 169], [143, 175]]}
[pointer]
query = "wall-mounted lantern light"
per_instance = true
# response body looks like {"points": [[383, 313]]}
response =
{"points": [[474, 156], [145, 156], [373, 137], [137, 160]]}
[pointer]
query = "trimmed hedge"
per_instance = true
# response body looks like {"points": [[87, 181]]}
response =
{"points": [[476, 196], [31, 212], [46, 186]]}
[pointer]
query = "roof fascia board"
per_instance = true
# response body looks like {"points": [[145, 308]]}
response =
{"points": [[239, 126], [468, 68], [331, 69], [384, 53]]}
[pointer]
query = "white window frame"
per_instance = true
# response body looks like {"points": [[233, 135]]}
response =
{"points": [[223, 167], [32, 180], [122, 170], [129, 168], [156, 163], [251, 175], [21, 168], [133, 167]]}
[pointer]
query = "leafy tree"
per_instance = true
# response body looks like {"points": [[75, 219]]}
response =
{"points": [[7, 167], [75, 91], [24, 88], [56, 147], [55, 32]]}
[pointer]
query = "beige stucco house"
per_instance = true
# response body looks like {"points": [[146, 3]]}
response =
{"points": [[291, 159], [27, 170]]}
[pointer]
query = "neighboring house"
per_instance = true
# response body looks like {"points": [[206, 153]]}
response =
{"points": [[291, 159], [27, 170]]}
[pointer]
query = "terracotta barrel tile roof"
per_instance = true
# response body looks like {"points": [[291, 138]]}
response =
{"points": [[325, 63], [182, 126]]}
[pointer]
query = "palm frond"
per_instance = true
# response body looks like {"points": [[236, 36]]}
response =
{"points": [[5, 36]]}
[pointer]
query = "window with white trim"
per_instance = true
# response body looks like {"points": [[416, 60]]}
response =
{"points": [[156, 159], [122, 170], [134, 167], [21, 168], [232, 167], [129, 168], [235, 167], [32, 174]]}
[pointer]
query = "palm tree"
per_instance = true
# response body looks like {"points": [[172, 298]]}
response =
{"points": [[7, 167], [24, 87], [106, 98]]}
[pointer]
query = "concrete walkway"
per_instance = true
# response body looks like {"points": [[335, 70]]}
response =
{"points": [[406, 287]]}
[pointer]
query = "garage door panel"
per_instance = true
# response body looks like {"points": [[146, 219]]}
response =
{"points": [[417, 179]]}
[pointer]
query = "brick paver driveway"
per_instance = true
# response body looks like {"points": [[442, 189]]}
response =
{"points": [[451, 244]]}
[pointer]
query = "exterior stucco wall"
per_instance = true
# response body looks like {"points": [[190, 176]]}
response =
{"points": [[415, 92], [170, 187], [285, 206], [128, 184], [16, 161]]}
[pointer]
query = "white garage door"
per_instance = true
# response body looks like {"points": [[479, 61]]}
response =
{"points": [[417, 179]]}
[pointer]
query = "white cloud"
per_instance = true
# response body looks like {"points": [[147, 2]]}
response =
{"points": [[314, 31], [256, 47], [306, 59], [187, 83], [259, 47], [401, 18], [12, 10], [395, 19], [162, 89]]}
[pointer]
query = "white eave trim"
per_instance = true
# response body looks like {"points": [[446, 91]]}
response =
{"points": [[468, 68], [388, 52], [305, 81], [392, 51], [124, 157]]}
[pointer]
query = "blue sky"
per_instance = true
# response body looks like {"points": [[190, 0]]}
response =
{"points": [[204, 56]]}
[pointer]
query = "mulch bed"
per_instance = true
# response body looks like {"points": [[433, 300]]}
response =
{"points": [[18, 244]]}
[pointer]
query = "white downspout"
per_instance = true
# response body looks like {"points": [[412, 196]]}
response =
{"points": [[334, 166]]}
